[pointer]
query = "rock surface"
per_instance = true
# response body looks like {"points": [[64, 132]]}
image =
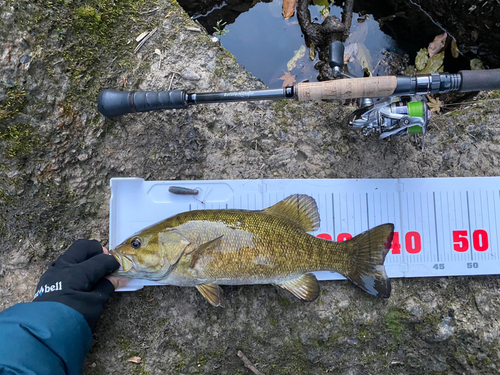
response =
{"points": [[58, 154]]}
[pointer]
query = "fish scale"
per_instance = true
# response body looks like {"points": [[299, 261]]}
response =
{"points": [[250, 240]]}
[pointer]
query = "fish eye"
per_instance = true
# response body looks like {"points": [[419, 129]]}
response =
{"points": [[136, 243]]}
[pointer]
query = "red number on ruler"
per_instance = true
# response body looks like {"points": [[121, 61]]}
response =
{"points": [[325, 236], [480, 240], [396, 246], [343, 237], [460, 241], [413, 242]]}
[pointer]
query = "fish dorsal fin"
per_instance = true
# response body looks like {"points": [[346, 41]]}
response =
{"points": [[306, 287], [212, 293], [195, 254], [299, 208], [174, 244]]}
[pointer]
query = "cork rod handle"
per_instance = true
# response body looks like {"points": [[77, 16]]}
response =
{"points": [[374, 87]]}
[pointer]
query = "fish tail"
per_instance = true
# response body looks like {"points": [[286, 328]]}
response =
{"points": [[367, 260]]}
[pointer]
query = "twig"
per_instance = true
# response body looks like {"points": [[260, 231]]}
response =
{"points": [[150, 11], [376, 66], [248, 364], [171, 79], [145, 39], [112, 61], [234, 127]]}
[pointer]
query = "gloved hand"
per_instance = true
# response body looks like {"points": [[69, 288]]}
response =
{"points": [[76, 279]]}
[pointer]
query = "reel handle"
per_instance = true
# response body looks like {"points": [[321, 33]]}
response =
{"points": [[113, 103]]}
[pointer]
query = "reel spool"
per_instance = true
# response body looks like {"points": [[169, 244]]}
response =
{"points": [[388, 117]]}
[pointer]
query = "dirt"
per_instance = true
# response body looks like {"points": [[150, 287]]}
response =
{"points": [[58, 154]]}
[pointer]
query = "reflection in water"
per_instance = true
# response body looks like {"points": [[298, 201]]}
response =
{"points": [[264, 42], [265, 47]]}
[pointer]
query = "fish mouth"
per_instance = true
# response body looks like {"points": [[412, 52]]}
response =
{"points": [[126, 263], [118, 258]]}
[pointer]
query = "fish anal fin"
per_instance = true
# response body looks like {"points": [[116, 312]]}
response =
{"points": [[195, 254], [212, 293], [305, 287], [367, 264], [299, 208]]}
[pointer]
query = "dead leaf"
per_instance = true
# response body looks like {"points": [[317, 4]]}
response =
{"points": [[435, 104], [364, 58], [454, 48], [135, 360], [437, 45], [410, 70], [325, 12], [321, 3], [288, 79], [288, 8], [312, 52], [434, 64], [476, 64], [300, 53], [421, 59], [141, 36], [192, 28]]}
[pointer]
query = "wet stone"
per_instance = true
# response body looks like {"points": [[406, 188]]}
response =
{"points": [[445, 331], [24, 59], [190, 75]]}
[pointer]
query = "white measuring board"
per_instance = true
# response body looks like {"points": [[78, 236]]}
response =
{"points": [[443, 226]]}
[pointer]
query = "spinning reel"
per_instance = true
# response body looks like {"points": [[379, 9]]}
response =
{"points": [[386, 116]]}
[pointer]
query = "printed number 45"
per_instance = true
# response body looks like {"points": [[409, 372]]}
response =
{"points": [[438, 266]]}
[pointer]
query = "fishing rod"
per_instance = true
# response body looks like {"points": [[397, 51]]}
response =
{"points": [[379, 112]]}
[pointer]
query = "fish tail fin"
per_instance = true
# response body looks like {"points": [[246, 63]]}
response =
{"points": [[367, 264]]}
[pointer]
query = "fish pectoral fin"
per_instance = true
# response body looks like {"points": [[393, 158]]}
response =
{"points": [[306, 287], [212, 293], [299, 208], [195, 254]]}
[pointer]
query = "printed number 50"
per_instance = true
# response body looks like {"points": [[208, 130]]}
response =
{"points": [[479, 240]]}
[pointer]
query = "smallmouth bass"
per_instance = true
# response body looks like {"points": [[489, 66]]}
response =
{"points": [[208, 248]]}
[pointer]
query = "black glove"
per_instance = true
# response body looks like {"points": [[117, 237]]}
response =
{"points": [[76, 279]]}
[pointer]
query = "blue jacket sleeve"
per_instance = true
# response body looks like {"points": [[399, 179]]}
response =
{"points": [[43, 338]]}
